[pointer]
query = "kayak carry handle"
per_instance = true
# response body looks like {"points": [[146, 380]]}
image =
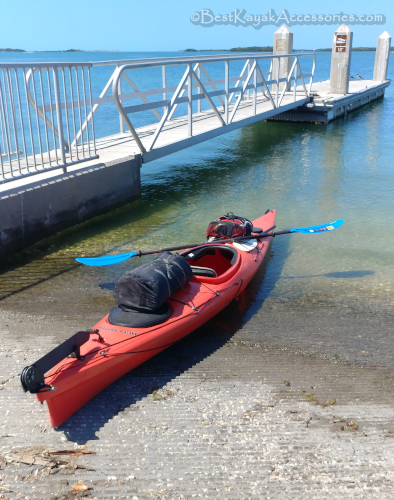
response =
{"points": [[32, 377]]}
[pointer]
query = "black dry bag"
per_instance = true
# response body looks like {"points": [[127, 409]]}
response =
{"points": [[147, 287]]}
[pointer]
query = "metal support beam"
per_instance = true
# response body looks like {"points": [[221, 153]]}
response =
{"points": [[164, 79], [166, 113], [226, 96], [246, 83], [254, 91], [59, 115], [189, 103], [121, 121], [201, 87]]}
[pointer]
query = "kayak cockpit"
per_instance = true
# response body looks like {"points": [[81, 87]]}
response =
{"points": [[211, 264], [213, 261]]}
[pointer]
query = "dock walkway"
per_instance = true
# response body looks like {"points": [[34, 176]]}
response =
{"points": [[174, 136]]}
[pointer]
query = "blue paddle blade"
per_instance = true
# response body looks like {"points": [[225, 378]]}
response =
{"points": [[322, 228], [105, 260]]}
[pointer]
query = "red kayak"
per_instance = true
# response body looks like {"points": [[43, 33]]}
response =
{"points": [[108, 351]]}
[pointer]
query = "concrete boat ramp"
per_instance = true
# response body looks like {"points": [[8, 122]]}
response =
{"points": [[223, 414]]}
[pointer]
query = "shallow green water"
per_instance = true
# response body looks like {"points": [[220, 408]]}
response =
{"points": [[309, 174]]}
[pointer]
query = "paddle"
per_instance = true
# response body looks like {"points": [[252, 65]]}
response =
{"points": [[116, 259]]}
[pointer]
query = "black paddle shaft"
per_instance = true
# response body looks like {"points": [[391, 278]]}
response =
{"points": [[285, 231], [264, 234]]}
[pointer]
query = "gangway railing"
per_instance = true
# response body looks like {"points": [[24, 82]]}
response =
{"points": [[42, 109], [271, 86], [48, 115]]}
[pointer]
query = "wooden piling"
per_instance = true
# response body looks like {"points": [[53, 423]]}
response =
{"points": [[283, 44], [382, 57]]}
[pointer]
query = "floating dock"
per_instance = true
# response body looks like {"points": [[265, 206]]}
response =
{"points": [[326, 107]]}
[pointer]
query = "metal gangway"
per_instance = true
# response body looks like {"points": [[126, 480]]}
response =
{"points": [[50, 119]]}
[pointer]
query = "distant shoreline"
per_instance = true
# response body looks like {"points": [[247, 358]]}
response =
{"points": [[354, 49], [39, 51], [12, 50], [270, 49]]}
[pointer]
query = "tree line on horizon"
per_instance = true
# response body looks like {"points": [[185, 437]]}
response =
{"points": [[22, 50], [267, 48]]}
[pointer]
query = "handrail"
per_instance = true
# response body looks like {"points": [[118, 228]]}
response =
{"points": [[40, 110], [173, 60], [211, 59], [32, 136], [117, 62], [46, 65]]}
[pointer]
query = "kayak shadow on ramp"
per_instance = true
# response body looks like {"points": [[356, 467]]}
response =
{"points": [[124, 395]]}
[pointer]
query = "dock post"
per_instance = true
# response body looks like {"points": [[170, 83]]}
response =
{"points": [[382, 57], [121, 121], [283, 44], [340, 60], [58, 115], [190, 102]]}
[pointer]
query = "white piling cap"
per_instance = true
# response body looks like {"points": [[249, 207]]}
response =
{"points": [[385, 35], [343, 29], [283, 29]]}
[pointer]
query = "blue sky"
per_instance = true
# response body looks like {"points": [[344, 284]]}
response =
{"points": [[163, 25]]}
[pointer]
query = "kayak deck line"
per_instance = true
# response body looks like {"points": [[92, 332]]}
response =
{"points": [[117, 330]]}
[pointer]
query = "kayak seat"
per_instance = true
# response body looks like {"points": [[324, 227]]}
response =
{"points": [[216, 258], [207, 272], [138, 319]]}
